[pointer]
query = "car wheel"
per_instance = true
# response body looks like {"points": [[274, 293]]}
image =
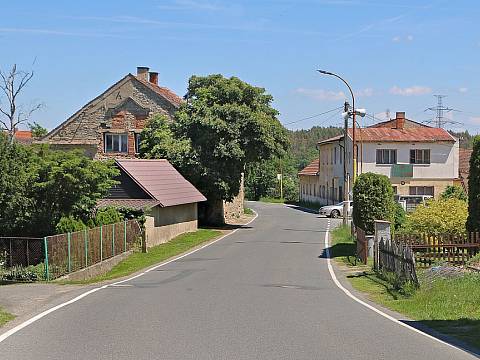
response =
{"points": [[335, 214]]}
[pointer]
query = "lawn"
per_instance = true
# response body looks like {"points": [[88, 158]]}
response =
{"points": [[268, 199], [5, 317], [450, 306], [138, 261]]}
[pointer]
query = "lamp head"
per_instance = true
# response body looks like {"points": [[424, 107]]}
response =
{"points": [[360, 112], [324, 72]]}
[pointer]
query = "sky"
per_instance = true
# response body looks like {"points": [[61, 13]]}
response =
{"points": [[395, 54]]}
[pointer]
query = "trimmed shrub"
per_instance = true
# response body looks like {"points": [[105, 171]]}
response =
{"points": [[108, 215], [454, 191], [473, 222], [399, 216], [372, 200], [69, 224]]}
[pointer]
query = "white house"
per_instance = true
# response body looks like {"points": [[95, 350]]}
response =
{"points": [[418, 159]]}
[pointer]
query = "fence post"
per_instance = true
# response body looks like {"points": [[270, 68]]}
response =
{"points": [[124, 236], [85, 237], [69, 258], [113, 240], [101, 243], [45, 244]]}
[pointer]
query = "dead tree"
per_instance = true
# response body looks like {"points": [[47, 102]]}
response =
{"points": [[13, 114]]}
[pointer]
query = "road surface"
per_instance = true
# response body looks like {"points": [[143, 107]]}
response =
{"points": [[262, 293]]}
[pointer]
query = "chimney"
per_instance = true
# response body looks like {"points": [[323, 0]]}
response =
{"points": [[400, 120], [142, 72], [153, 77]]}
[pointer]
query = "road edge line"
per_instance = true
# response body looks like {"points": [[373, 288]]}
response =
{"points": [[373, 308], [37, 317]]}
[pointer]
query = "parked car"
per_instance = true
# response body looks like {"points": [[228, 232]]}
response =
{"points": [[335, 211]]}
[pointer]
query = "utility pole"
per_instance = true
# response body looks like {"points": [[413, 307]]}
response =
{"points": [[281, 180], [345, 179]]}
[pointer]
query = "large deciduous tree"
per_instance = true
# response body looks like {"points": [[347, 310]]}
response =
{"points": [[224, 124], [473, 221]]}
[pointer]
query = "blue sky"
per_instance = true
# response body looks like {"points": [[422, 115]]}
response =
{"points": [[396, 54]]}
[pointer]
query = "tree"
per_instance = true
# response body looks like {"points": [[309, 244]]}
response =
{"points": [[12, 83], [224, 125], [473, 222], [38, 131], [260, 179], [454, 191], [372, 200], [444, 216]]}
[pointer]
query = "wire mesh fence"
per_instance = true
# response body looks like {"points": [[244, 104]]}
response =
{"points": [[20, 251], [66, 253]]}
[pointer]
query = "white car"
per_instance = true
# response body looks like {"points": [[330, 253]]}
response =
{"points": [[335, 211]]}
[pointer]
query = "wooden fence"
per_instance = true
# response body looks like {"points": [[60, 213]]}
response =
{"points": [[397, 258], [71, 252], [429, 249], [362, 245]]}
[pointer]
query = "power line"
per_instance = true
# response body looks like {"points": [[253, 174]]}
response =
{"points": [[440, 110], [313, 116]]}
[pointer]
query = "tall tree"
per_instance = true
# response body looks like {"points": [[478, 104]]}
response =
{"points": [[38, 131], [12, 83], [473, 221]]}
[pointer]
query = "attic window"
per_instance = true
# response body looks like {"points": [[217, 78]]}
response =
{"points": [[116, 143]]}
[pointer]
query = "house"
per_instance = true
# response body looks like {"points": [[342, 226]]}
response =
{"points": [[23, 137], [109, 126], [418, 159], [168, 199]]}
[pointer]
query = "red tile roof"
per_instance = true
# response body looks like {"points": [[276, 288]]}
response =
{"points": [[162, 91], [419, 134], [311, 169], [161, 181]]}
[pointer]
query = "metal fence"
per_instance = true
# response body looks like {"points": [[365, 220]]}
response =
{"points": [[66, 253], [21, 251]]}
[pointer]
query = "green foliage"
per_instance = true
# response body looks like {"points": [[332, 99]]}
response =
{"points": [[108, 215], [454, 191], [473, 222], [466, 139], [260, 179], [399, 216], [38, 131], [69, 224], [224, 125], [372, 200], [444, 216]]}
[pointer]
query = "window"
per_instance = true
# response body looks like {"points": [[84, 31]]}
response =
{"points": [[386, 156], [116, 143], [137, 143], [420, 156], [421, 190], [394, 189], [335, 155]]}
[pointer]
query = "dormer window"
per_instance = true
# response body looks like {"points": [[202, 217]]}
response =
{"points": [[116, 143]]}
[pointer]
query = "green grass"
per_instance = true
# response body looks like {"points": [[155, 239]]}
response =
{"points": [[5, 317], [138, 261], [248, 211], [268, 199], [450, 306]]}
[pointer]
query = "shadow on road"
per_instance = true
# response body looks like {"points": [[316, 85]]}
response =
{"points": [[339, 250], [299, 208]]}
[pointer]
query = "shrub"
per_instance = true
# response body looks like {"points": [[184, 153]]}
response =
{"points": [[108, 215], [473, 222], [372, 200], [69, 224], [454, 191], [399, 216], [439, 217]]}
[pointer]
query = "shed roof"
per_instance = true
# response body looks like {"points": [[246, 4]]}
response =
{"points": [[160, 180], [311, 169]]}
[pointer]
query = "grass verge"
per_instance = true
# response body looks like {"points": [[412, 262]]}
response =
{"points": [[138, 261], [248, 211], [268, 199], [450, 306], [5, 317]]}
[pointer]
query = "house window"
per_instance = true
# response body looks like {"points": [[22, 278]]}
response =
{"points": [[421, 190], [386, 156], [335, 155], [137, 143], [116, 143], [420, 156], [395, 189]]}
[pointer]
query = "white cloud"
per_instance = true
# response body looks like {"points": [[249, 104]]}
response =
{"points": [[191, 5], [399, 38], [410, 91], [463, 90], [321, 94], [475, 119], [409, 37], [396, 39], [367, 92]]}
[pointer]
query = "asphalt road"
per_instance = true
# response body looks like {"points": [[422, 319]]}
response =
{"points": [[262, 293]]}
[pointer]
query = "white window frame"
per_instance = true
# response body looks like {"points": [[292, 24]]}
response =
{"points": [[122, 139], [386, 156]]}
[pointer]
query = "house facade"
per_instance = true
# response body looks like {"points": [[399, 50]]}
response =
{"points": [[418, 159], [109, 126]]}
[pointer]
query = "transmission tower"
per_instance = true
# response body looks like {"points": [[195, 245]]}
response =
{"points": [[440, 110]]}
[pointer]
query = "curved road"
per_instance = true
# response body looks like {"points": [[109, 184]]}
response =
{"points": [[261, 293]]}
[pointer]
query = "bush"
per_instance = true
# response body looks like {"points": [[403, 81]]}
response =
{"points": [[438, 217], [108, 215], [69, 224], [454, 191], [372, 200], [399, 216], [473, 222]]}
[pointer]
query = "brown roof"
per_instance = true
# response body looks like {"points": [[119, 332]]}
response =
{"points": [[162, 91], [160, 180], [311, 169], [419, 134], [137, 204]]}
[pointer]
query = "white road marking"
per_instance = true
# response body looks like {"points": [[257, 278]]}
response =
{"points": [[37, 317], [391, 318]]}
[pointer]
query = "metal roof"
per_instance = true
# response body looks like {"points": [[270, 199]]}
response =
{"points": [[160, 180]]}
